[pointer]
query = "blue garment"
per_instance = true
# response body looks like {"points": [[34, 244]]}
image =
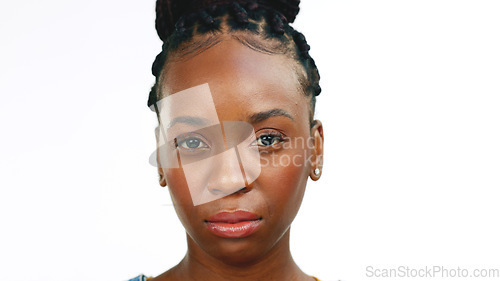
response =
{"points": [[141, 277]]}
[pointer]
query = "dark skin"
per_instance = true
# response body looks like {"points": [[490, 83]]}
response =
{"points": [[243, 83]]}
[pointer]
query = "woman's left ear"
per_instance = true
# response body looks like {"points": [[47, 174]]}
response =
{"points": [[317, 150]]}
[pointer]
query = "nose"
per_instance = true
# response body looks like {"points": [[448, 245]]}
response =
{"points": [[227, 176]]}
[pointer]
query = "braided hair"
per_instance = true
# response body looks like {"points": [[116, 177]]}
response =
{"points": [[178, 21]]}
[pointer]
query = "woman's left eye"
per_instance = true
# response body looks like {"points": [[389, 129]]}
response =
{"points": [[268, 140]]}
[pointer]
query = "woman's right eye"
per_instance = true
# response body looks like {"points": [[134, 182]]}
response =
{"points": [[191, 143]]}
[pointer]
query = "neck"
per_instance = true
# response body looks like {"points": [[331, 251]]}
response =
{"points": [[276, 265]]}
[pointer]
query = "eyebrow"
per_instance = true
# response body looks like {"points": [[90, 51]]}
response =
{"points": [[261, 116], [190, 120]]}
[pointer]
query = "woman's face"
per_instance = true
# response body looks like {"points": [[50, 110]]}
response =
{"points": [[263, 90]]}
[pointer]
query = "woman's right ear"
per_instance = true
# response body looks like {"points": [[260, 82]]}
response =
{"points": [[162, 180]]}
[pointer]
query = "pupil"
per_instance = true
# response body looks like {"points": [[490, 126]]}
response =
{"points": [[193, 143], [267, 140]]}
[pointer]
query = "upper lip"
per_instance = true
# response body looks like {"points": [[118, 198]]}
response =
{"points": [[233, 217]]}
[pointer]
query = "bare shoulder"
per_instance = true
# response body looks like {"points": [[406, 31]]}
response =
{"points": [[169, 275]]}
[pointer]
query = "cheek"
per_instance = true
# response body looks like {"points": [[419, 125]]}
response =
{"points": [[181, 197], [178, 186], [283, 180]]}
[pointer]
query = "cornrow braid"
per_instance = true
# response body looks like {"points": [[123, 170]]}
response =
{"points": [[313, 72], [240, 14], [178, 21]]}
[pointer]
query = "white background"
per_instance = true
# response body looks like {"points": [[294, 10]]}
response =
{"points": [[410, 107]]}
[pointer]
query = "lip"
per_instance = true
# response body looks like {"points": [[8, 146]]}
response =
{"points": [[237, 224]]}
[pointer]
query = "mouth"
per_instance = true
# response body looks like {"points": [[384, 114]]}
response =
{"points": [[237, 224]]}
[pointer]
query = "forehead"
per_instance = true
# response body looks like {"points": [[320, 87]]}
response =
{"points": [[242, 81]]}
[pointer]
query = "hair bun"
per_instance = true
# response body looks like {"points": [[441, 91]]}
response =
{"points": [[168, 12]]}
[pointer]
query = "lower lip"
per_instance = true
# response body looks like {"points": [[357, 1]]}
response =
{"points": [[234, 230]]}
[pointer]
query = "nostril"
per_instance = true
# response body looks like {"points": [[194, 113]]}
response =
{"points": [[222, 191]]}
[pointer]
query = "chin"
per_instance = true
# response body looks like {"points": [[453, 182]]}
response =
{"points": [[238, 253]]}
